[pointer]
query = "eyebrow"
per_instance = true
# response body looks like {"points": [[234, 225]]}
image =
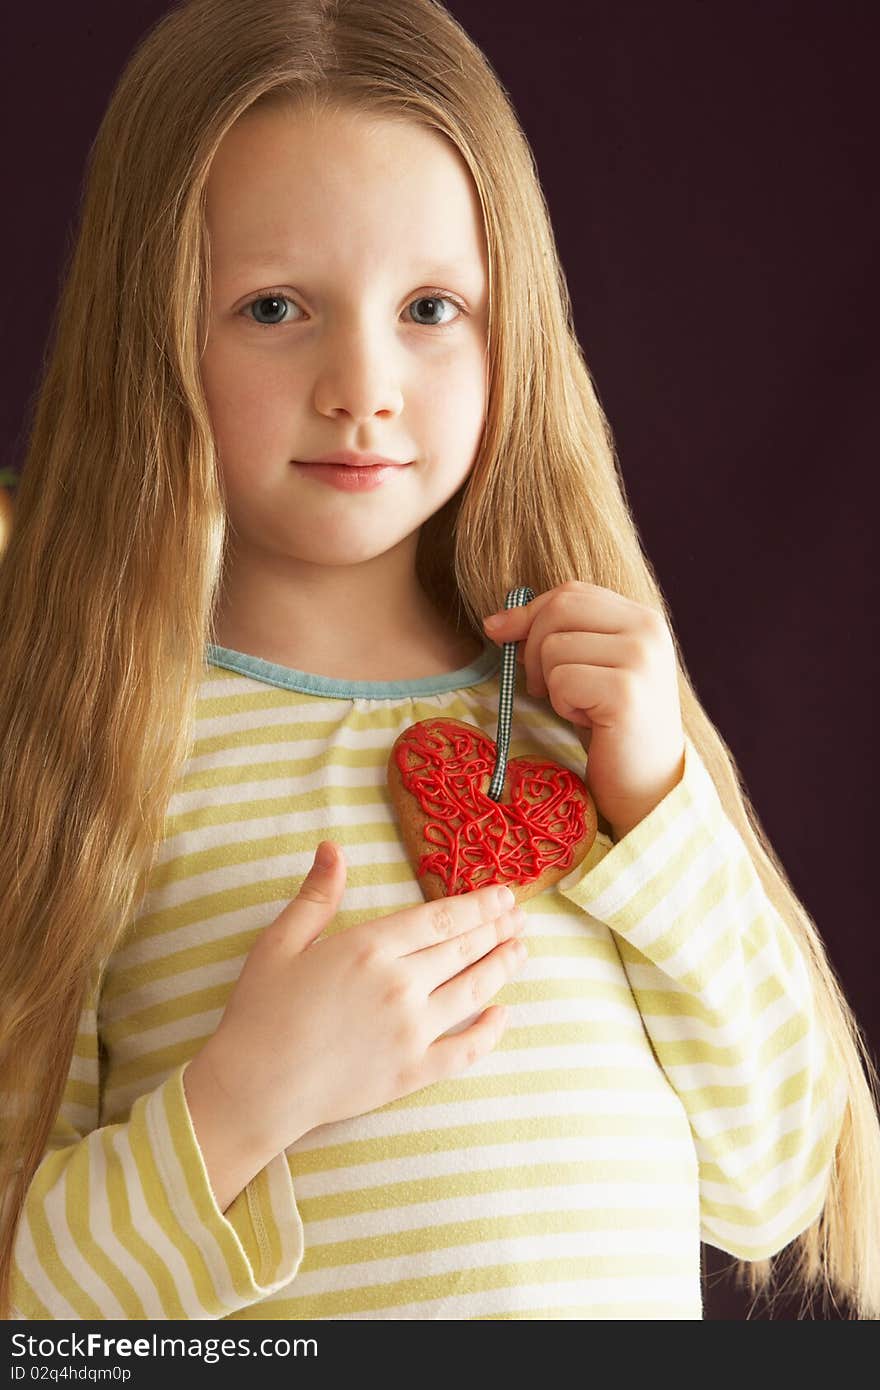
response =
{"points": [[262, 262]]}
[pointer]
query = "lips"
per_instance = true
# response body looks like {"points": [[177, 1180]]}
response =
{"points": [[347, 458], [348, 477]]}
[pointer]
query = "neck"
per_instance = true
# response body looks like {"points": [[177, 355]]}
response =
{"points": [[364, 621]]}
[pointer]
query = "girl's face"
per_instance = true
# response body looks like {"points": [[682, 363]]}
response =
{"points": [[349, 309]]}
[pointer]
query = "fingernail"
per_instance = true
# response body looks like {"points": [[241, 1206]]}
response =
{"points": [[325, 856], [495, 620]]}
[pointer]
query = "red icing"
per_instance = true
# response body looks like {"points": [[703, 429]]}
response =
{"points": [[484, 841]]}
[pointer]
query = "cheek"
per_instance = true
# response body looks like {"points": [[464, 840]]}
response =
{"points": [[453, 399], [471, 402], [246, 406]]}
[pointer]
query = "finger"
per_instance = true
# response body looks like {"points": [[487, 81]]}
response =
{"points": [[577, 648], [590, 694], [512, 624], [474, 989], [588, 610], [437, 964], [318, 899], [450, 1056], [414, 928]]}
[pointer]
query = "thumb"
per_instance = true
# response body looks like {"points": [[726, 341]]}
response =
{"points": [[320, 893]]}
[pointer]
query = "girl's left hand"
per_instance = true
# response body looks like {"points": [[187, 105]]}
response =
{"points": [[608, 665]]}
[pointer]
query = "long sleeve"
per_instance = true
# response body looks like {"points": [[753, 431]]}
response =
{"points": [[120, 1220], [726, 1001]]}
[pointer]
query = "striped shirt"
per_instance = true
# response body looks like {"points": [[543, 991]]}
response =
{"points": [[662, 1080]]}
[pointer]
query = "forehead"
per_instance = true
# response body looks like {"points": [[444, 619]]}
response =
{"points": [[285, 185]]}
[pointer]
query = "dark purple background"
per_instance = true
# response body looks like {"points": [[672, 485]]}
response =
{"points": [[713, 188]]}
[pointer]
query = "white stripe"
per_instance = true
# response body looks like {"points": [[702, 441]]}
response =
{"points": [[717, 1120], [162, 992], [262, 872], [605, 1058], [713, 954], [83, 1068], [36, 1273], [761, 1078], [177, 1192], [756, 1193], [603, 1105], [674, 1202], [192, 1028], [286, 1217], [667, 846], [536, 1154], [101, 1227], [83, 1274], [80, 1118], [602, 1056], [268, 731], [599, 1298], [770, 1234], [159, 944], [149, 1229], [732, 1027], [508, 1251], [679, 902]]}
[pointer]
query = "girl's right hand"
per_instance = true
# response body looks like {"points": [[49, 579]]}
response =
{"points": [[317, 1031]]}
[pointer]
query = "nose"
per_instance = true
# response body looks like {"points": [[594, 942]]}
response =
{"points": [[359, 377]]}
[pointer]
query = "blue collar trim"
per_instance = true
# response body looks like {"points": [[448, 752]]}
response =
{"points": [[287, 678]]}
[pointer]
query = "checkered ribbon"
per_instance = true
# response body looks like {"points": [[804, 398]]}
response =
{"points": [[516, 598]]}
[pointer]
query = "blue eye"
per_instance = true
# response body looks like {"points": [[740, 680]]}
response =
{"points": [[435, 300], [269, 298], [274, 299]]}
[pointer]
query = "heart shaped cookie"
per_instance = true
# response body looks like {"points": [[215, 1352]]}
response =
{"points": [[458, 838]]}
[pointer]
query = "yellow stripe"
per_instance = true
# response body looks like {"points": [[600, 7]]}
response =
{"points": [[523, 1129], [477, 1183], [392, 1245], [79, 1183], [54, 1172], [376, 1298]]}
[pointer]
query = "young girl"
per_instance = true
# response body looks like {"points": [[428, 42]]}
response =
{"points": [[241, 1081]]}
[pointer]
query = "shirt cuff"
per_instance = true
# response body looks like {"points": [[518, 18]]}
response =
{"points": [[257, 1245], [611, 874]]}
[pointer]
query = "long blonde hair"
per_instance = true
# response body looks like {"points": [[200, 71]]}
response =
{"points": [[109, 584]]}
